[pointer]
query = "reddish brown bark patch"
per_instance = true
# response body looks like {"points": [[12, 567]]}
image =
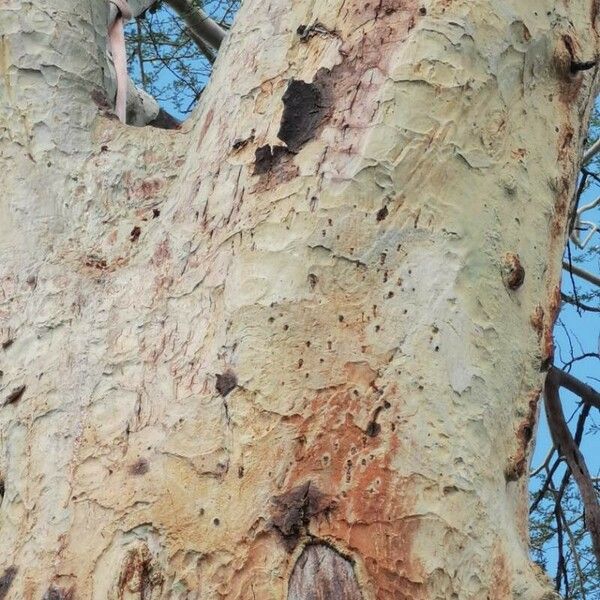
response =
{"points": [[292, 511], [554, 304], [513, 273], [322, 573], [501, 581], [537, 320], [305, 108], [6, 581], [373, 515], [518, 462]]}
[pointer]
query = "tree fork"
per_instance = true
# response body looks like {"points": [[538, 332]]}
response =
{"points": [[287, 332]]}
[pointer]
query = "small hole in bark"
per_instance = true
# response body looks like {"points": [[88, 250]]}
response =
{"points": [[373, 429], [216, 522], [382, 213], [155, 213], [422, 11]]}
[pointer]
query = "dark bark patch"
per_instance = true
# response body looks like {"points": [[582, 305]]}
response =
{"points": [[291, 512], [94, 262], [139, 467], [164, 120], [373, 429], [266, 159], [6, 581], [322, 573], [517, 464], [243, 142], [513, 273], [226, 383], [382, 213], [15, 395], [308, 31], [56, 593], [100, 100], [7, 344], [135, 234], [305, 107]]}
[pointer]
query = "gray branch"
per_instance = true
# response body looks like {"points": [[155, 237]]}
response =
{"points": [[199, 23], [589, 277], [563, 440]]}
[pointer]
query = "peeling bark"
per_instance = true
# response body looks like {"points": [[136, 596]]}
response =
{"points": [[211, 324]]}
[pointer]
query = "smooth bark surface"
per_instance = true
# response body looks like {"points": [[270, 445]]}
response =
{"points": [[315, 319]]}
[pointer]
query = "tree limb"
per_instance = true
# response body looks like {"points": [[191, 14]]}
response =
{"points": [[565, 444], [579, 304], [587, 393], [199, 23], [591, 152], [589, 277]]}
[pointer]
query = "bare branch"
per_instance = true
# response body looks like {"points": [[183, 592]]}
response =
{"points": [[565, 444], [591, 152], [199, 23], [587, 393], [579, 304], [544, 464], [589, 277]]}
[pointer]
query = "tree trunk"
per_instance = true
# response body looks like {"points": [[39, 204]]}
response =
{"points": [[295, 349]]}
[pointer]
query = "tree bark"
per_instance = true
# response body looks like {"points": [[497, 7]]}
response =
{"points": [[308, 328]]}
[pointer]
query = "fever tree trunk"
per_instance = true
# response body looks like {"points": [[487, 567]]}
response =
{"points": [[295, 349]]}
